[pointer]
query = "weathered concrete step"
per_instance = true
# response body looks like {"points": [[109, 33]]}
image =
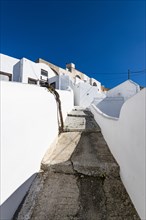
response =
{"points": [[63, 149], [66, 129], [80, 180], [79, 108], [78, 197], [80, 113], [85, 153], [81, 124]]}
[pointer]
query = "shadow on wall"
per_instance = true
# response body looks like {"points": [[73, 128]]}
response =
{"points": [[17, 72], [111, 106], [8, 208]]}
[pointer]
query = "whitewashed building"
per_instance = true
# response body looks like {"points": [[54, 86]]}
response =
{"points": [[39, 72], [115, 98], [126, 90], [24, 70], [7, 67]]}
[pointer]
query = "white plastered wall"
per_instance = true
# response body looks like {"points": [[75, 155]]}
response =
{"points": [[126, 90], [32, 70], [92, 81], [29, 125], [111, 106], [126, 139], [85, 94], [67, 101], [7, 64]]}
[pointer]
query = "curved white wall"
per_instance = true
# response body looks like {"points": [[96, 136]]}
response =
{"points": [[28, 126], [126, 140], [111, 106]]}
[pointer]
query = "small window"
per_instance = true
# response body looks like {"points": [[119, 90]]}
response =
{"points": [[32, 81], [5, 76], [44, 73]]}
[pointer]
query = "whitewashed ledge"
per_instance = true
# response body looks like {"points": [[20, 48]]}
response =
{"points": [[101, 113]]}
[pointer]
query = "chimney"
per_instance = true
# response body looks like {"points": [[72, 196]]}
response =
{"points": [[70, 66]]}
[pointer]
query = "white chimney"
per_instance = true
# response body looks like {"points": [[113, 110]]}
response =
{"points": [[70, 66]]}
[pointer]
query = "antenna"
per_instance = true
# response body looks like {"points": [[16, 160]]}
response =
{"points": [[128, 74]]}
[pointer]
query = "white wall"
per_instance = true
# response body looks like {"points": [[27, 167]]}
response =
{"points": [[85, 94], [67, 101], [86, 79], [78, 80], [23, 69], [33, 70], [126, 89], [56, 80], [92, 81], [28, 126], [64, 82], [7, 64], [4, 78], [126, 140], [111, 106]]}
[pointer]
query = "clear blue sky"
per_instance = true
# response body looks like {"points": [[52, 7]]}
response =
{"points": [[103, 38]]}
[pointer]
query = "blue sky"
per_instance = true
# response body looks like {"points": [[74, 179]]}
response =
{"points": [[103, 38]]}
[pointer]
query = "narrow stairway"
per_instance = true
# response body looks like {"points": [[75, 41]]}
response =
{"points": [[79, 178]]}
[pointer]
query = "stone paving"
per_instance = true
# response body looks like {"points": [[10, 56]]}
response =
{"points": [[79, 179]]}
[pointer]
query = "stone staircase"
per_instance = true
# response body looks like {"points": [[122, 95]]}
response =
{"points": [[79, 178]]}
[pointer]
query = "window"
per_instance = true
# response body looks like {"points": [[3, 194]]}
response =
{"points": [[5, 76], [94, 84], [32, 81], [44, 73]]}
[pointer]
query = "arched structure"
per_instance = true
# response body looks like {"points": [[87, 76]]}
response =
{"points": [[78, 76], [94, 84]]}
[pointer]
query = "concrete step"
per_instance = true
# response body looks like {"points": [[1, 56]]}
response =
{"points": [[74, 123], [79, 108], [79, 179], [80, 120], [78, 197], [81, 152], [80, 113]]}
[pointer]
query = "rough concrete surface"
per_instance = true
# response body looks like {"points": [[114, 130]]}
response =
{"points": [[79, 180], [81, 120]]}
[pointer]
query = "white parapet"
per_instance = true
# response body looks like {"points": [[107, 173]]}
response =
{"points": [[29, 125], [126, 139]]}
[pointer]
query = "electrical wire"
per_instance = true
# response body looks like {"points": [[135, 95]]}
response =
{"points": [[120, 73], [139, 71]]}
